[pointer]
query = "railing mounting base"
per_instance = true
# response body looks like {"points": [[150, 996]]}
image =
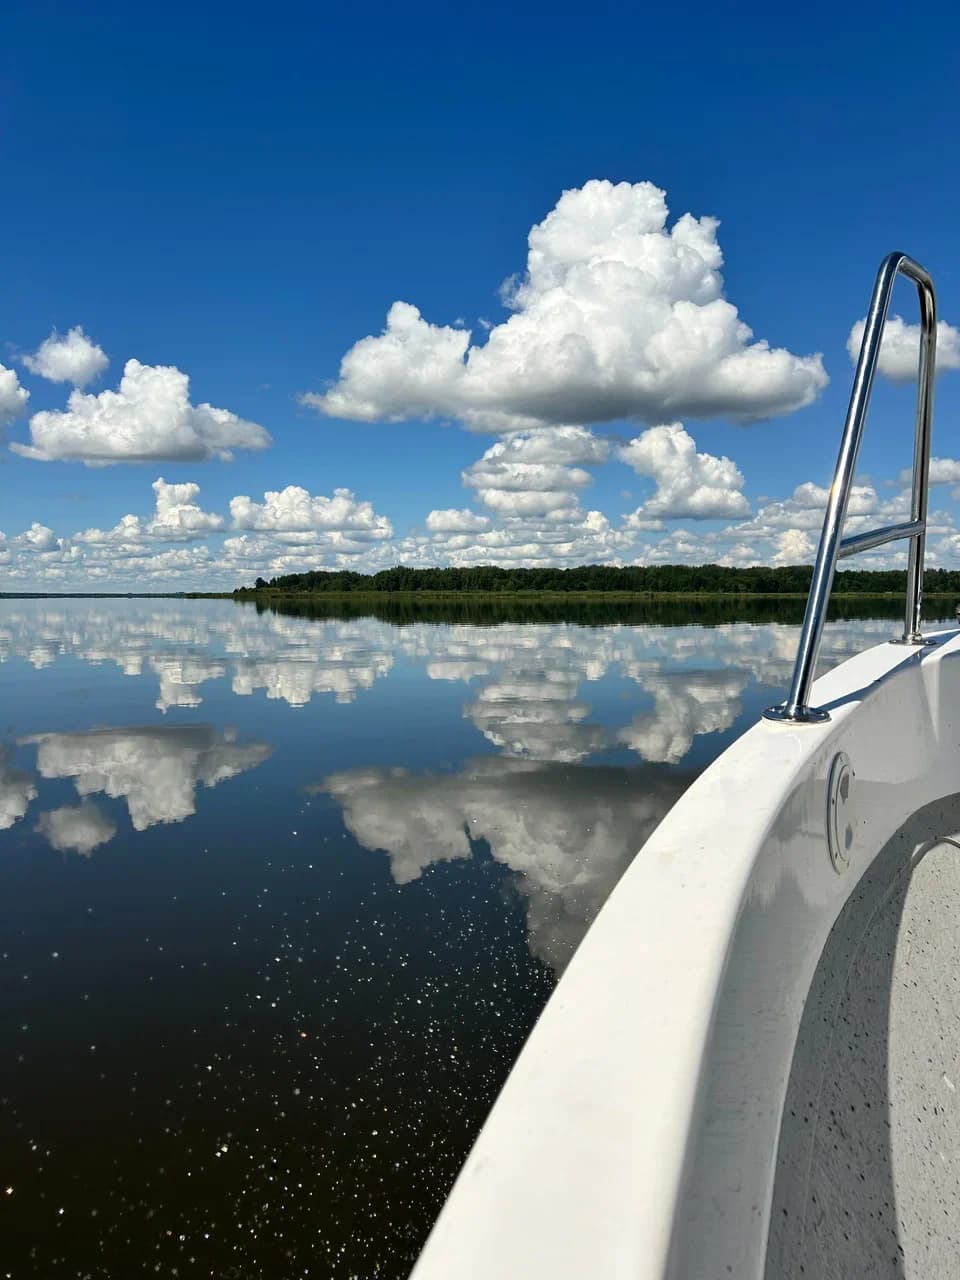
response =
{"points": [[802, 715]]}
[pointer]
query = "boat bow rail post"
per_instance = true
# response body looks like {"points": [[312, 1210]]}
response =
{"points": [[833, 546]]}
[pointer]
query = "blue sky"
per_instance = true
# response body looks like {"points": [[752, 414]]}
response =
{"points": [[243, 197]]}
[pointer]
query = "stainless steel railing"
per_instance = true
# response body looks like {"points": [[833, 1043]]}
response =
{"points": [[832, 544]]}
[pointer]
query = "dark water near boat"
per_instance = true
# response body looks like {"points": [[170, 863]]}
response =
{"points": [[281, 895]]}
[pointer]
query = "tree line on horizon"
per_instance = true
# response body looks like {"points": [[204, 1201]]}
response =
{"points": [[496, 580]]}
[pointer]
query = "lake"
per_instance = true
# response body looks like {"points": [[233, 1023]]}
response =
{"points": [[282, 893]]}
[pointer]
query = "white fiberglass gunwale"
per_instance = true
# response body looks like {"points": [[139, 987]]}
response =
{"points": [[637, 1135]]}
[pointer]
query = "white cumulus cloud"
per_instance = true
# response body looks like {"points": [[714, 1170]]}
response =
{"points": [[72, 357], [517, 502], [494, 471], [804, 510], [523, 476], [150, 418], [127, 531], [557, 445], [942, 471], [13, 397], [39, 537], [177, 518], [692, 485], [454, 520], [294, 510], [794, 546], [617, 316], [538, 528], [900, 349]]}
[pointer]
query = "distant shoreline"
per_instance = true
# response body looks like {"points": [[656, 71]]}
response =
{"points": [[638, 597], [547, 594], [116, 595]]}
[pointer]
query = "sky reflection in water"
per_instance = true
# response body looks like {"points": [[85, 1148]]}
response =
{"points": [[280, 899]]}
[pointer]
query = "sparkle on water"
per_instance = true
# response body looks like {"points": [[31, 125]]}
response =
{"points": [[280, 898]]}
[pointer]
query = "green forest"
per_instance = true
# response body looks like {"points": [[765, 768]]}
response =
{"points": [[706, 579]]}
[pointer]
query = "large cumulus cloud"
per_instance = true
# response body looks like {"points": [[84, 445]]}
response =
{"points": [[617, 316]]}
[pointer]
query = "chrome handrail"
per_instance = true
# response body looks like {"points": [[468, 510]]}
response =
{"points": [[832, 545]]}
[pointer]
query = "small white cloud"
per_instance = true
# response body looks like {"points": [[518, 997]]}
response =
{"points": [[794, 546], [129, 529], [530, 502], [804, 510], [900, 349], [493, 471], [37, 538], [690, 485], [679, 546], [942, 471], [294, 510], [564, 445], [617, 316], [523, 476], [150, 418], [540, 527], [13, 397], [811, 497], [70, 358], [454, 520], [178, 518]]}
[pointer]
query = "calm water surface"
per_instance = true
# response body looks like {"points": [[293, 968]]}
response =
{"points": [[281, 896]]}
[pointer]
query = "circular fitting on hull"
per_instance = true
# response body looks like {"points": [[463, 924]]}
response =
{"points": [[840, 812]]}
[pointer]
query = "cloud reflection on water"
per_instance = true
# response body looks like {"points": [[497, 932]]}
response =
{"points": [[155, 770], [17, 789], [552, 800], [77, 829], [686, 704], [568, 833], [524, 674]]}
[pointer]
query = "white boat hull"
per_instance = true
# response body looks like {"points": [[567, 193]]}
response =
{"points": [[682, 1108]]}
